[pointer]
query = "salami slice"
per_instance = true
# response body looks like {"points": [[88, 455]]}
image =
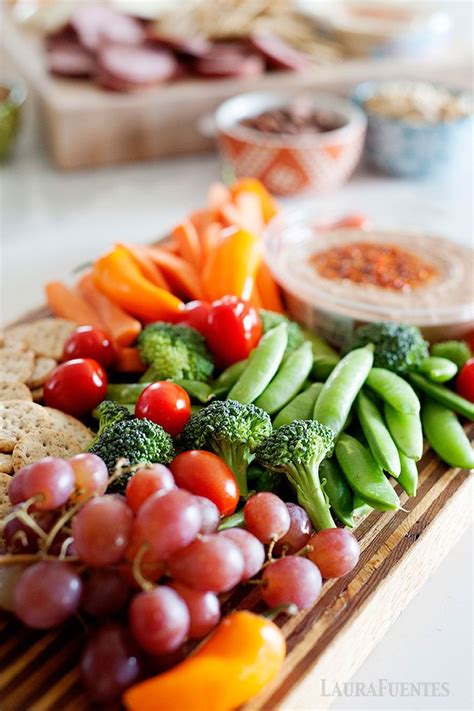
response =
{"points": [[278, 54], [66, 58], [229, 61], [126, 68], [99, 24], [189, 46]]}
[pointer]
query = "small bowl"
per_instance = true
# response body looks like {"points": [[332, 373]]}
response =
{"points": [[407, 148], [12, 97], [288, 164]]}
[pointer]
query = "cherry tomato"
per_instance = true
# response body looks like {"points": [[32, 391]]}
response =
{"points": [[196, 315], [465, 381], [76, 387], [166, 404], [90, 342], [234, 329], [205, 474]]}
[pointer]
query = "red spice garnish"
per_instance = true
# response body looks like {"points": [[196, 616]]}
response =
{"points": [[382, 265]]}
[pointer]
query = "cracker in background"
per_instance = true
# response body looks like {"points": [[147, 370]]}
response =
{"points": [[47, 336], [16, 366], [6, 464], [37, 394], [19, 418], [14, 337], [68, 424], [14, 391], [42, 367], [46, 443]]}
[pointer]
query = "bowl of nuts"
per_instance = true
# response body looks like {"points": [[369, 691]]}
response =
{"points": [[291, 142], [415, 128]]}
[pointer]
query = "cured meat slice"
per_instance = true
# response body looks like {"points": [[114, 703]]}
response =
{"points": [[277, 53], [126, 68], [189, 46], [66, 58], [229, 60], [99, 24]]}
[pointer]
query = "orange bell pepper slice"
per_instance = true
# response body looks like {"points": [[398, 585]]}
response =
{"points": [[268, 289], [252, 185], [231, 266]]}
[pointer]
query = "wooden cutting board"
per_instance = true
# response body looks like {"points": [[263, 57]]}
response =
{"points": [[399, 551]]}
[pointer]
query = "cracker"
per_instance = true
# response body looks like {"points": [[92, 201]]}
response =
{"points": [[14, 391], [42, 367], [46, 442], [47, 336], [37, 394], [6, 465], [16, 366], [19, 418], [68, 424], [5, 504], [14, 337]]}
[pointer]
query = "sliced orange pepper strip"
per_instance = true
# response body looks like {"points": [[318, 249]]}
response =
{"points": [[250, 209], [231, 266], [147, 266], [268, 203], [268, 289], [218, 195]]}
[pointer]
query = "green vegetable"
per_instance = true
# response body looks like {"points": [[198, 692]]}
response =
{"points": [[262, 366], [128, 393], [456, 351], [406, 431], [443, 395], [377, 435], [288, 381], [408, 478], [297, 450], [235, 520], [364, 475], [341, 388], [438, 369], [108, 413], [398, 346], [232, 431], [337, 490], [174, 352], [323, 365], [394, 390], [229, 377], [361, 507], [300, 408], [271, 319], [446, 435]]}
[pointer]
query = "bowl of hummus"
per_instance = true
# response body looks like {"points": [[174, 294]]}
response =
{"points": [[334, 281]]}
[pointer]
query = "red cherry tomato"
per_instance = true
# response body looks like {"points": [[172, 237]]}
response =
{"points": [[234, 329], [166, 404], [90, 342], [196, 315], [465, 381], [205, 474], [76, 387]]}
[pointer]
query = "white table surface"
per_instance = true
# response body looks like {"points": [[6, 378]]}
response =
{"points": [[51, 222]]}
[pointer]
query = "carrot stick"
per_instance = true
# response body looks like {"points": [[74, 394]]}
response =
{"points": [[268, 289], [122, 328], [181, 275], [128, 361], [210, 238], [66, 303], [250, 209], [268, 204], [217, 196], [147, 266], [186, 237]]}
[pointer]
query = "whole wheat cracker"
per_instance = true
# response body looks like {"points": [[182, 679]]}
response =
{"points": [[46, 337], [6, 465], [68, 424], [19, 418], [14, 337], [16, 366], [14, 391], [42, 367], [45, 443]]}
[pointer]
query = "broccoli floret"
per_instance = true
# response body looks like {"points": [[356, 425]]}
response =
{"points": [[297, 450], [108, 413], [140, 441], [456, 351], [271, 319], [232, 431], [398, 346], [174, 352]]}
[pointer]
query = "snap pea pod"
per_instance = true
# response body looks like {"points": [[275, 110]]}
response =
{"points": [[323, 365], [365, 476], [128, 393], [341, 388], [445, 434], [437, 369], [443, 395], [196, 389], [320, 347], [229, 377], [408, 478], [361, 507], [288, 381], [377, 435], [393, 389], [337, 490], [300, 408], [261, 367], [406, 431]]}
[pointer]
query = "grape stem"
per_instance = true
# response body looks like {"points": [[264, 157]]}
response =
{"points": [[64, 547], [145, 584], [19, 558]]}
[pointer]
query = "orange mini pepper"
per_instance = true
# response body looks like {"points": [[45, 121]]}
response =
{"points": [[118, 276], [230, 267], [245, 652]]}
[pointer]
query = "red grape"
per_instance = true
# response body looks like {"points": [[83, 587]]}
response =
{"points": [[146, 482], [90, 474], [335, 551], [291, 580], [209, 563], [204, 609], [267, 517], [210, 514], [159, 620], [252, 550], [15, 485], [104, 592], [151, 567], [299, 532], [51, 479], [22, 538], [102, 530], [46, 594]]}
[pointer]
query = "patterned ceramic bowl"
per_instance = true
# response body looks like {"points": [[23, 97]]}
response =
{"points": [[412, 149], [288, 164]]}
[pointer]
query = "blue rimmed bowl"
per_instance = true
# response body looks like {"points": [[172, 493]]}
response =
{"points": [[407, 148]]}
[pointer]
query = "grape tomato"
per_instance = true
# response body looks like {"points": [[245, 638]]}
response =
{"points": [[205, 474], [166, 404], [76, 387], [90, 342], [234, 329]]}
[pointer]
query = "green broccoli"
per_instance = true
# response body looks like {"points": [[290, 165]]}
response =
{"points": [[456, 351], [297, 450], [398, 346], [270, 319], [232, 431], [108, 413], [174, 352]]}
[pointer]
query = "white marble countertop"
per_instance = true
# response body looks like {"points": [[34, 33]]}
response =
{"points": [[51, 222]]}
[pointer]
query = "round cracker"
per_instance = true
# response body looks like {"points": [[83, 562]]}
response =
{"points": [[68, 424], [42, 367], [14, 337], [19, 418], [47, 336], [16, 366], [45, 443], [14, 391], [6, 465]]}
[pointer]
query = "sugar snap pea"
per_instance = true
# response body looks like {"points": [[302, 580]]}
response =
{"points": [[262, 366], [377, 435], [125, 393], [445, 434], [443, 395], [408, 478], [361, 507], [341, 388], [323, 365], [365, 476], [393, 389], [437, 369], [229, 377], [300, 408], [288, 380], [406, 431], [337, 490]]}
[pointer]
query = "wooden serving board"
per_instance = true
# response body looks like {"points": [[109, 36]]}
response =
{"points": [[399, 551]]}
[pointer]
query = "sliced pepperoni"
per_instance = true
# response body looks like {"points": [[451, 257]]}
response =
{"points": [[99, 24], [277, 53], [126, 68], [66, 58], [189, 46], [229, 61]]}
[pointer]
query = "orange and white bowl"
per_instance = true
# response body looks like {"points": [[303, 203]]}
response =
{"points": [[288, 164]]}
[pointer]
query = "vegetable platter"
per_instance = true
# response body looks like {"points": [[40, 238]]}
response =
{"points": [[195, 465]]}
